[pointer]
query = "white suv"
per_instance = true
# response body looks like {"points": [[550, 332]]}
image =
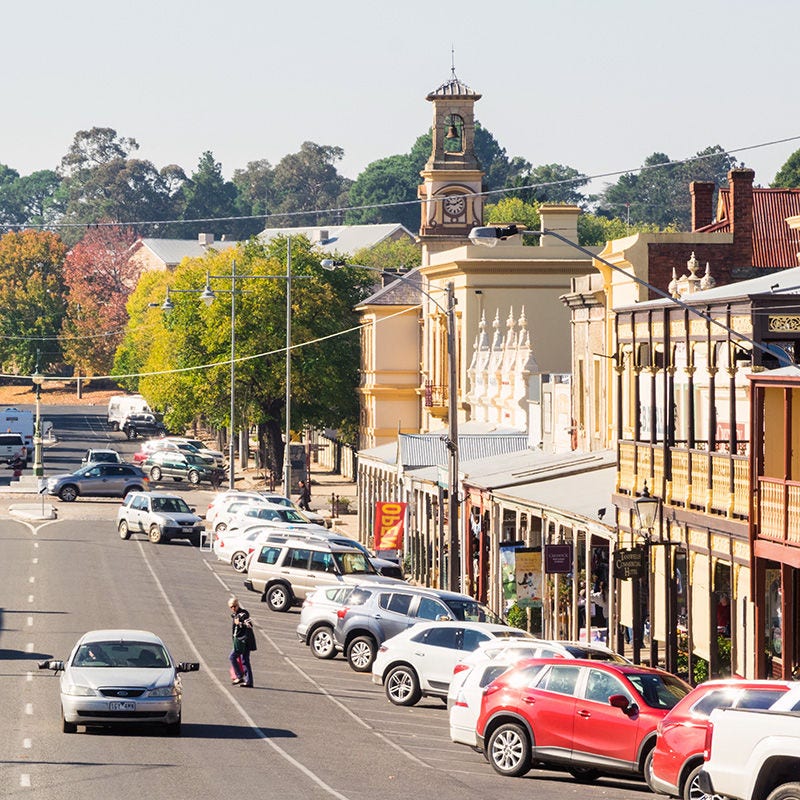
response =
{"points": [[285, 572]]}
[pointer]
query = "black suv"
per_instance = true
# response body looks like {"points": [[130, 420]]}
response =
{"points": [[142, 425], [376, 613]]}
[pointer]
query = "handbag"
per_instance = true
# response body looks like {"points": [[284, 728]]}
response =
{"points": [[239, 645]]}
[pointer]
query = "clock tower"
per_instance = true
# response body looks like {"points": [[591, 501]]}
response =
{"points": [[450, 192]]}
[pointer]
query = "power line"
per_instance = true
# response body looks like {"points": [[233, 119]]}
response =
{"points": [[400, 203]]}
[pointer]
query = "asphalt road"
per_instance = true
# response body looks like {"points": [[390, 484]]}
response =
{"points": [[309, 728]]}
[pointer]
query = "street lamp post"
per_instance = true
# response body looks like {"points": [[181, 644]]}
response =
{"points": [[38, 466], [647, 511], [208, 295], [454, 575]]}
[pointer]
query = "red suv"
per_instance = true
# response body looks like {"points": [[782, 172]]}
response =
{"points": [[589, 717], [678, 756]]}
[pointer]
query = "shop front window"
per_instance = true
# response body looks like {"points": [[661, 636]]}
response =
{"points": [[773, 618]]}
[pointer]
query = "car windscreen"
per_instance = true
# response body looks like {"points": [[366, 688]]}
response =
{"points": [[657, 690], [471, 610], [290, 515], [121, 654], [597, 655], [353, 564], [172, 505]]}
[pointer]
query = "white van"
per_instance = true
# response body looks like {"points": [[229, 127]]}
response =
{"points": [[121, 406], [13, 420]]}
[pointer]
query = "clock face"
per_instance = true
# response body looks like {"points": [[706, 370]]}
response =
{"points": [[454, 205]]}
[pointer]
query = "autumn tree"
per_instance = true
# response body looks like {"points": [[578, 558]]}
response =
{"points": [[31, 299], [185, 354], [99, 277]]}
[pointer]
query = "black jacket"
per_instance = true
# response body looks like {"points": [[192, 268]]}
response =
{"points": [[244, 629]]}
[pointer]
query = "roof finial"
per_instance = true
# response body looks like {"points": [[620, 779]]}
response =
{"points": [[452, 60]]}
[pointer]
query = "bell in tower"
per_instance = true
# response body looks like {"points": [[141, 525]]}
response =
{"points": [[452, 177]]}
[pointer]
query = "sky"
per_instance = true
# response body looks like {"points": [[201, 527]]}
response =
{"points": [[598, 86]]}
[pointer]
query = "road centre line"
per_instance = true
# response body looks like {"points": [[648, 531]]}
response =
{"points": [[24, 780], [236, 704], [29, 709]]}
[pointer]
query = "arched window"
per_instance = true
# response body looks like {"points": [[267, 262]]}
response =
{"points": [[453, 134]]}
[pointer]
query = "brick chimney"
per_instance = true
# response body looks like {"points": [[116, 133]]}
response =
{"points": [[741, 188], [702, 203]]}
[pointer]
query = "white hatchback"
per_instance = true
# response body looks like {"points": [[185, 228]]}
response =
{"points": [[419, 661]]}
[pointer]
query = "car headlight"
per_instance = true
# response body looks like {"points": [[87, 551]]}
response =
{"points": [[162, 691], [79, 691]]}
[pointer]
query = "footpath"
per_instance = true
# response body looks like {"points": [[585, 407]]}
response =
{"points": [[326, 489]]}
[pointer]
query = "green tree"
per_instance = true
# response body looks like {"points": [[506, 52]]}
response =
{"points": [[388, 187], [400, 254], [31, 299], [254, 196], [550, 183], [207, 196], [659, 193], [308, 181], [102, 182], [513, 210], [192, 337], [788, 176]]}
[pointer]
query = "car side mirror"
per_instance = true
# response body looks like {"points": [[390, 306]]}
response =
{"points": [[187, 666], [52, 664], [623, 704], [193, 510]]}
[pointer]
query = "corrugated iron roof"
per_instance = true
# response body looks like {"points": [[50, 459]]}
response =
{"points": [[428, 449], [341, 238], [173, 251], [775, 244]]}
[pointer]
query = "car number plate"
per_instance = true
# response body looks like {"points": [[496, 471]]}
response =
{"points": [[187, 528], [122, 706]]}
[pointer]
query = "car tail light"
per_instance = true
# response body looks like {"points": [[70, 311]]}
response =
{"points": [[707, 745], [342, 612], [460, 667], [461, 701]]}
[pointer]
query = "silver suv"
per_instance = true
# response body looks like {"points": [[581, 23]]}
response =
{"points": [[285, 572], [160, 516], [373, 614]]}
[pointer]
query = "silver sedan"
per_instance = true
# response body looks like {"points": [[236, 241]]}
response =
{"points": [[115, 677]]}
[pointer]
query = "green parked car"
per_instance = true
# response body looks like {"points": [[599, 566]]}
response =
{"points": [[179, 465]]}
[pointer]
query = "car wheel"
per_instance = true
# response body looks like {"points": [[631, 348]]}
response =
{"points": [[361, 653], [67, 727], [68, 493], [124, 532], [321, 642], [509, 751], [194, 477], [789, 791], [194, 540], [692, 790], [154, 534], [239, 561], [278, 597], [220, 527], [155, 474], [584, 774], [402, 686], [647, 770]]}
